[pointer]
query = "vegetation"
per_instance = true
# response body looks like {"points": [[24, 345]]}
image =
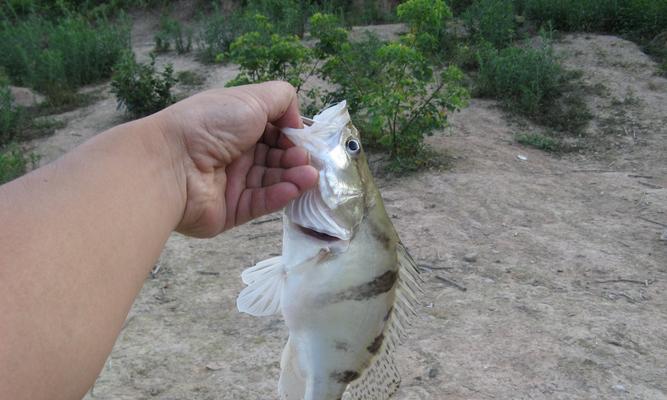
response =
{"points": [[265, 55], [540, 141], [394, 93], [140, 88], [172, 34], [190, 78], [14, 162], [426, 20], [56, 57], [9, 114], [491, 21]]}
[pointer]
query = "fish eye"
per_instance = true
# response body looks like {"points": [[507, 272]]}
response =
{"points": [[352, 146]]}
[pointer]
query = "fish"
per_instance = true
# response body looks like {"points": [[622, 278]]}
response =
{"points": [[344, 283]]}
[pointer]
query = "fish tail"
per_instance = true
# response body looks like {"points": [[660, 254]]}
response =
{"points": [[292, 384]]}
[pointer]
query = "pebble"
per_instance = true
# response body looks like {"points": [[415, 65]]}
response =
{"points": [[470, 257], [432, 373], [619, 388], [664, 235]]}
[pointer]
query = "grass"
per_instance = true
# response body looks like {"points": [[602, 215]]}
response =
{"points": [[56, 57], [140, 88], [14, 162], [492, 21], [190, 78], [639, 19], [532, 83], [540, 141]]}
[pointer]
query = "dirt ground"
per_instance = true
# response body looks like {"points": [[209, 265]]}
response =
{"points": [[560, 274]]}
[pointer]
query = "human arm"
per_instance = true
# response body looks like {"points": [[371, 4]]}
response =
{"points": [[80, 235]]}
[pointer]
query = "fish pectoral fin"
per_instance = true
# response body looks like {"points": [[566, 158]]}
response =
{"points": [[265, 282]]}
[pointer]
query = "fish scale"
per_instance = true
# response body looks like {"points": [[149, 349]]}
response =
{"points": [[344, 283]]}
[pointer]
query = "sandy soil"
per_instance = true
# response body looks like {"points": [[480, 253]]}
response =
{"points": [[561, 271]]}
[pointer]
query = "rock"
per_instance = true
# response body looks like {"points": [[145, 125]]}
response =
{"points": [[470, 257], [25, 97]]}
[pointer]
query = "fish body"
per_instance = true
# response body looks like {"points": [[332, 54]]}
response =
{"points": [[344, 283]]}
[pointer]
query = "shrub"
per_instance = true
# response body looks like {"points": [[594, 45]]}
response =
{"points": [[264, 55], [352, 70], [173, 32], [9, 114], [492, 21], [14, 162], [525, 79], [641, 19], [426, 20], [218, 31], [395, 96], [539, 141], [407, 102], [140, 88], [56, 57], [328, 30], [288, 16], [531, 82]]}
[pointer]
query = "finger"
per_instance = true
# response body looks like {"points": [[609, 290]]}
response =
{"points": [[255, 177], [279, 101], [275, 138], [255, 202], [292, 157], [261, 153], [299, 175]]}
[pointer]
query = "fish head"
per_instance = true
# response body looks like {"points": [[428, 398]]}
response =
{"points": [[334, 208]]}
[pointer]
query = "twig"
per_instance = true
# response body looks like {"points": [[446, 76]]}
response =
{"points": [[432, 268], [592, 170], [641, 176], [651, 185], [645, 282], [653, 222], [260, 235], [265, 221], [208, 273], [452, 283]]}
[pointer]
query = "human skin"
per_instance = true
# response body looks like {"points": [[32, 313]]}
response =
{"points": [[79, 236]]}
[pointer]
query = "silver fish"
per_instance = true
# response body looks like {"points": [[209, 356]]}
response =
{"points": [[344, 283]]}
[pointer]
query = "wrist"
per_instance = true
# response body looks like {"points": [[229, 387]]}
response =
{"points": [[167, 148]]}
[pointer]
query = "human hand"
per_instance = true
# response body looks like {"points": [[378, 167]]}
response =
{"points": [[230, 159]]}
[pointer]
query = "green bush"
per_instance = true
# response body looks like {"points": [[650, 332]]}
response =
{"points": [[56, 57], [14, 162], [394, 95], [526, 80], [288, 16], [329, 32], [172, 33], [539, 141], [218, 31], [140, 88], [352, 69], [531, 82], [492, 21], [9, 114], [426, 20], [264, 55], [642, 19]]}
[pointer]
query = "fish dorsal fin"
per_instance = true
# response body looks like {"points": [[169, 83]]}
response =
{"points": [[381, 379], [265, 281]]}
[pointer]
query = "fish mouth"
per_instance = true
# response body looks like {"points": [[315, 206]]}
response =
{"points": [[325, 237]]}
